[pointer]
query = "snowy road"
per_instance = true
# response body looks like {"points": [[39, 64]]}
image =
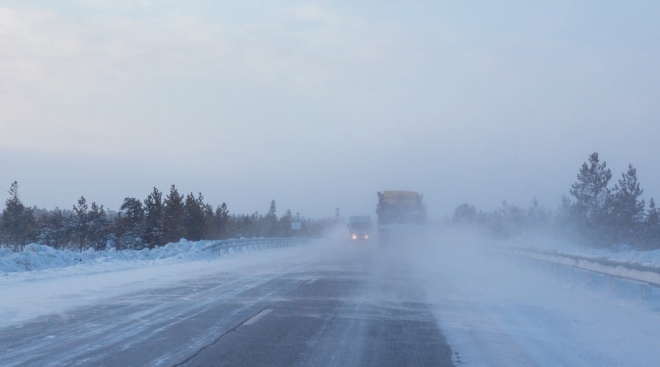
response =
{"points": [[305, 306], [436, 302]]}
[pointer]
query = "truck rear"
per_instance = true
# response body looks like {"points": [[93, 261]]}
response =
{"points": [[397, 208]]}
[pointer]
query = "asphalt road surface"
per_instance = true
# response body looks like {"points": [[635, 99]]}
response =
{"points": [[315, 305]]}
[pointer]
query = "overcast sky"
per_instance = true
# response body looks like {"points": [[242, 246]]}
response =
{"points": [[319, 105]]}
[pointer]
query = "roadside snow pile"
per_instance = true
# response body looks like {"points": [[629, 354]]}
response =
{"points": [[622, 254], [38, 257]]}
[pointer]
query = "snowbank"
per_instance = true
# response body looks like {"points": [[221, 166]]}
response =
{"points": [[39, 257], [622, 254]]}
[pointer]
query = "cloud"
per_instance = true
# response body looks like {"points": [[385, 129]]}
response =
{"points": [[57, 66]]}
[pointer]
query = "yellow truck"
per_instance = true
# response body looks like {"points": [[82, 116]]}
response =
{"points": [[399, 207]]}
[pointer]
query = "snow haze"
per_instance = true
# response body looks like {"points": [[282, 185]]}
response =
{"points": [[318, 105]]}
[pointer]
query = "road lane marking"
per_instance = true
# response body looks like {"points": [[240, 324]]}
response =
{"points": [[258, 316], [312, 281]]}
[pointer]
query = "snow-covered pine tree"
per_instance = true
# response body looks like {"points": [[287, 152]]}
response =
{"points": [[53, 229], [193, 217], [591, 192], [269, 228], [244, 225], [130, 220], [173, 216], [154, 212], [18, 223], [652, 227], [272, 210], [537, 216], [464, 214], [221, 222], [625, 211], [207, 210], [78, 223], [98, 225], [284, 224], [566, 219]]}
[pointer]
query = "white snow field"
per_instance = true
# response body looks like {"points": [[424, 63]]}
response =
{"points": [[502, 310]]}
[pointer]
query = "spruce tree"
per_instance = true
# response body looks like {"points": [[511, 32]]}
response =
{"points": [[131, 224], [245, 225], [284, 224], [209, 220], [78, 223], [154, 214], [221, 222], [591, 192], [625, 210], [652, 227], [193, 218], [269, 227], [18, 221], [272, 210], [98, 225], [537, 216], [567, 219], [173, 216], [53, 229], [464, 214]]}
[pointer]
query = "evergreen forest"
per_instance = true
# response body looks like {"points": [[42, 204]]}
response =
{"points": [[157, 220], [596, 213]]}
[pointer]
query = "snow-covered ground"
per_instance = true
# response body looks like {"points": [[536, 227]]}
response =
{"points": [[41, 280], [502, 310], [622, 254], [35, 257]]}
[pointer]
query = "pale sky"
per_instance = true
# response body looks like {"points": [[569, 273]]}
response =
{"points": [[318, 105]]}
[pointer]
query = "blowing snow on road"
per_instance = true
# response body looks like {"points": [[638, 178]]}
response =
{"points": [[442, 302]]}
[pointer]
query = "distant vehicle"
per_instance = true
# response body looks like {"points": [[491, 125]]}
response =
{"points": [[359, 227], [396, 208]]}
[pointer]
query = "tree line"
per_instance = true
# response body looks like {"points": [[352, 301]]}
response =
{"points": [[154, 221], [595, 213]]}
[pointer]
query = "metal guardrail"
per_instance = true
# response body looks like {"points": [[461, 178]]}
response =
{"points": [[636, 273], [223, 246]]}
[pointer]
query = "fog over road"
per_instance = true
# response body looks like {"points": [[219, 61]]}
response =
{"points": [[442, 300]]}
